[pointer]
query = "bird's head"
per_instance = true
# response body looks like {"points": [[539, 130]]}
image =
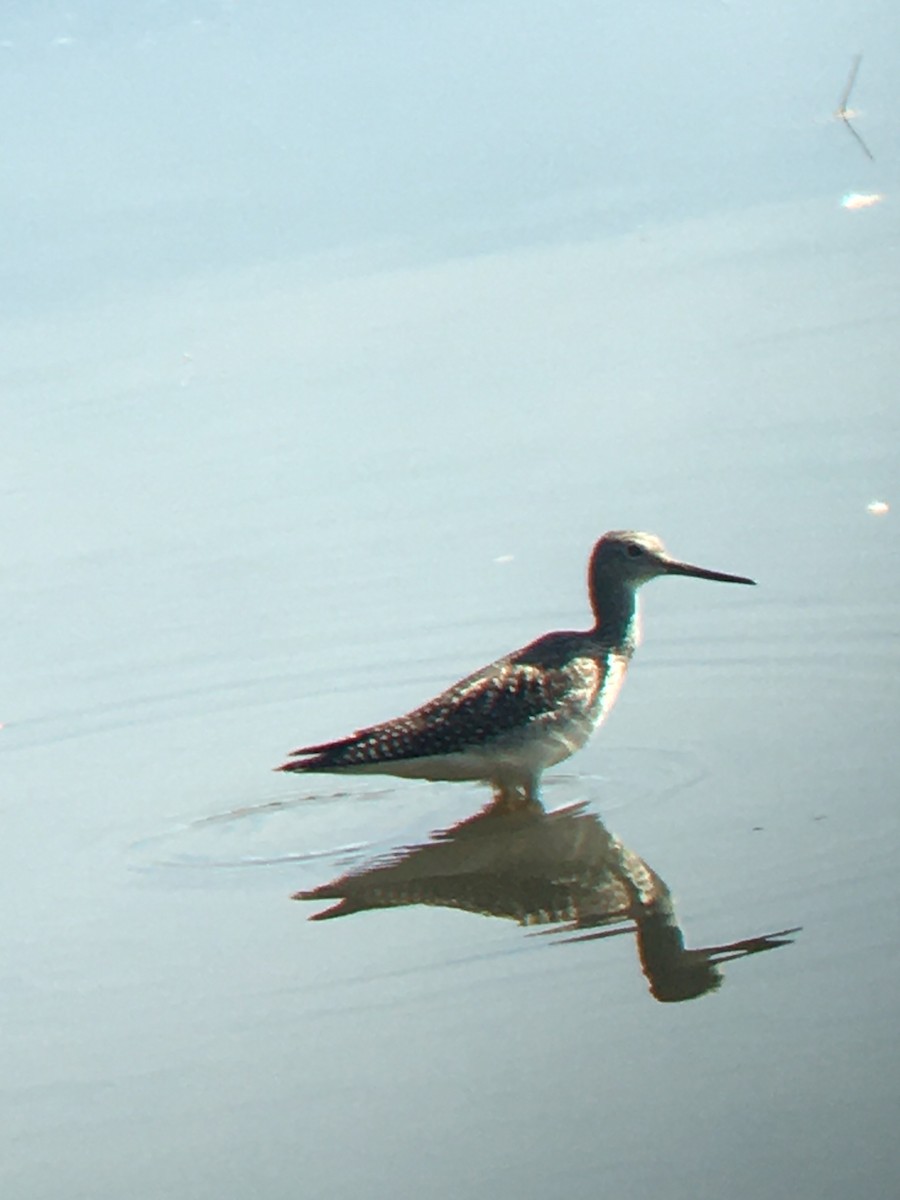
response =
{"points": [[631, 558]]}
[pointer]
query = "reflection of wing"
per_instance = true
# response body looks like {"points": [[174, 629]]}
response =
{"points": [[851, 79], [528, 865]]}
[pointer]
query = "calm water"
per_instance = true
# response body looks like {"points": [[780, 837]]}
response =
{"points": [[329, 348]]}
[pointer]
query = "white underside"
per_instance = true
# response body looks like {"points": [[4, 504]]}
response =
{"points": [[516, 761]]}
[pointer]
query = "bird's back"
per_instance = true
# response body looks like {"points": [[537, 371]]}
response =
{"points": [[557, 677]]}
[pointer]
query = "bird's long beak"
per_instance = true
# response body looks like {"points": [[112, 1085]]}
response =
{"points": [[674, 567]]}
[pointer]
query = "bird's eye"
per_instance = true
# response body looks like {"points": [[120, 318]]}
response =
{"points": [[634, 551]]}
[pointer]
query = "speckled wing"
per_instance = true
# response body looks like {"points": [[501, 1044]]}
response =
{"points": [[504, 698]]}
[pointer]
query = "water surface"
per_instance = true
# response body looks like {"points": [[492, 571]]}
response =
{"points": [[330, 348]]}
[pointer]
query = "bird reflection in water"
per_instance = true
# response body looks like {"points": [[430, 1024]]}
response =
{"points": [[562, 869]]}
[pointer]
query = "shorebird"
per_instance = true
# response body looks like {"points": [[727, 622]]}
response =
{"points": [[507, 723]]}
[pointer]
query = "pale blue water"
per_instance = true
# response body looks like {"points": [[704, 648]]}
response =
{"points": [[331, 342]]}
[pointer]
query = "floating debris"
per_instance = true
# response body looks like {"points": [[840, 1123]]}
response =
{"points": [[845, 114], [878, 508]]}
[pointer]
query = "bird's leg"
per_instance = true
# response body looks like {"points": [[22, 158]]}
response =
{"points": [[515, 797], [532, 792], [504, 796]]}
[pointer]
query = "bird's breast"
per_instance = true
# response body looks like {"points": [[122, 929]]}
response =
{"points": [[613, 669], [595, 684]]}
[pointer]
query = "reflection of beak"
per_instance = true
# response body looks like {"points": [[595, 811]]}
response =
{"points": [[673, 567]]}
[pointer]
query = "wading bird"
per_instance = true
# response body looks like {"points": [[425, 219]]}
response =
{"points": [[507, 723]]}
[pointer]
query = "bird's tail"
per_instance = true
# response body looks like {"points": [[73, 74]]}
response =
{"points": [[324, 757]]}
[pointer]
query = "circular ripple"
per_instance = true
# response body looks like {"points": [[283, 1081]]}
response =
{"points": [[336, 829]]}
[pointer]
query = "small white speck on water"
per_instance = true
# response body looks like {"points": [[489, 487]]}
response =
{"points": [[504, 558], [878, 508], [854, 201]]}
